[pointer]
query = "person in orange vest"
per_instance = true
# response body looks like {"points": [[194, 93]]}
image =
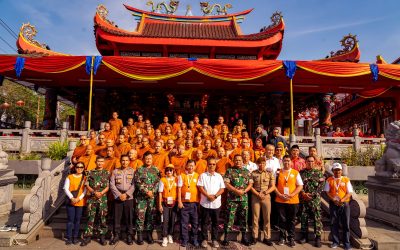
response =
{"points": [[167, 199], [339, 190], [289, 184], [74, 188], [188, 202]]}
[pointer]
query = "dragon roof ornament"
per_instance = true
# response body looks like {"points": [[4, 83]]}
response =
{"points": [[276, 18], [163, 8], [348, 43], [28, 31], [219, 9]]}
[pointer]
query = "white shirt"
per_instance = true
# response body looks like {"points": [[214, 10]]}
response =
{"points": [[69, 194], [211, 184], [272, 164], [349, 187], [251, 166]]}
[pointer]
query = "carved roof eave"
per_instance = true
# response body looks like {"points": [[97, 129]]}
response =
{"points": [[175, 18], [112, 29], [351, 56], [26, 47]]}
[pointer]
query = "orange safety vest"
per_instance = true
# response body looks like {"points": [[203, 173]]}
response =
{"points": [[286, 180], [190, 186], [73, 185], [170, 190], [338, 187]]}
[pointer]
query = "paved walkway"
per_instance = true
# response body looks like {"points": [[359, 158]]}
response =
{"points": [[51, 243]]}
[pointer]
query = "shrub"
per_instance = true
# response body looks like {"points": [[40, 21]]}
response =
{"points": [[362, 158], [58, 150], [30, 156]]}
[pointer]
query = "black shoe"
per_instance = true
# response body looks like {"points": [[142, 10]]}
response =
{"points": [[139, 239], [86, 241], [244, 240], [68, 242], [267, 242], [114, 240], [184, 244], [317, 242], [103, 241], [129, 239], [150, 239], [281, 242], [253, 241], [225, 243], [304, 238], [75, 241], [292, 243]]}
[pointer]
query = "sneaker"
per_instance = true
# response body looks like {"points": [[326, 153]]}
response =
{"points": [[68, 242], [204, 244], [334, 245], [215, 244], [292, 243], [170, 240], [164, 242], [281, 242]]}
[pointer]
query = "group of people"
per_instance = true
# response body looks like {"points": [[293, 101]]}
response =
{"points": [[151, 178], [338, 132]]}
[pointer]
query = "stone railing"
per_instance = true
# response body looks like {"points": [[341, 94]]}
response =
{"points": [[46, 196], [28, 140], [333, 147]]}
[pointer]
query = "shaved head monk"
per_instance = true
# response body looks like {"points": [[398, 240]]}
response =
{"points": [[123, 146], [160, 159], [179, 160], [134, 162], [79, 150], [89, 158]]}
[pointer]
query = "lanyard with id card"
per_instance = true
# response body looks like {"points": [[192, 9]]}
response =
{"points": [[286, 188], [188, 195]]}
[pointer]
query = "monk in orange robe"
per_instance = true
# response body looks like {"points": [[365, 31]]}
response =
{"points": [[108, 133], [149, 132], [143, 148], [115, 123], [111, 162], [245, 134], [125, 132], [192, 128], [197, 125], [189, 135], [180, 140], [258, 148], [79, 150], [184, 129], [220, 123], [236, 149], [198, 142], [223, 162], [123, 146], [177, 125], [189, 149], [217, 144], [201, 165], [157, 137], [140, 122], [164, 125], [204, 134], [100, 148], [246, 145], [224, 132], [92, 138], [89, 158], [131, 127], [160, 159], [170, 148], [134, 162], [207, 151], [179, 160], [168, 134], [110, 143]]}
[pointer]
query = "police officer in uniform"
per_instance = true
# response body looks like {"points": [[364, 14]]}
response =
{"points": [[146, 181], [122, 187], [238, 181], [97, 186], [310, 197]]}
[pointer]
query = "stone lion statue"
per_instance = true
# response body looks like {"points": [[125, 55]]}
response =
{"points": [[3, 159], [389, 164]]}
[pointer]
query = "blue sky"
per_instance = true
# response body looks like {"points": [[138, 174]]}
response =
{"points": [[313, 27]]}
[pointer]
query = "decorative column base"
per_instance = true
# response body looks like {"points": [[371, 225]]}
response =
{"points": [[384, 200], [7, 180]]}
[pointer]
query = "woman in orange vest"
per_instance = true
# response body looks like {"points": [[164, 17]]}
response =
{"points": [[75, 190], [339, 190], [167, 200]]}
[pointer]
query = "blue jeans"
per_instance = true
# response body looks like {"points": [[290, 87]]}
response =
{"points": [[340, 214], [74, 214]]}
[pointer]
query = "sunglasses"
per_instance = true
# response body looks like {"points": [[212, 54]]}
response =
{"points": [[80, 167], [169, 170]]}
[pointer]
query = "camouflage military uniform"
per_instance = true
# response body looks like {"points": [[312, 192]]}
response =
{"points": [[146, 179], [98, 180], [313, 180], [240, 179]]}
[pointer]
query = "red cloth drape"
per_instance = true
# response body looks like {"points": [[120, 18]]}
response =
{"points": [[53, 64], [373, 92], [7, 63], [390, 70], [337, 69]]}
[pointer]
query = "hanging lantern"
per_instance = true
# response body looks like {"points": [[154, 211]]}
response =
{"points": [[171, 100], [20, 103], [5, 105], [204, 101]]}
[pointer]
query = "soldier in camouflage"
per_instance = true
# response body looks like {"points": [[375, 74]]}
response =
{"points": [[97, 186], [238, 181], [310, 197], [146, 182]]}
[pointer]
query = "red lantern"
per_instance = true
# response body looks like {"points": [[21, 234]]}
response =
{"points": [[5, 105], [20, 103]]}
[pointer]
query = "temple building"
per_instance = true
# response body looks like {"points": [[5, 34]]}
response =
{"points": [[215, 39]]}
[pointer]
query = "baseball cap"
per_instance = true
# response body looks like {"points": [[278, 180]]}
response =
{"points": [[336, 165]]}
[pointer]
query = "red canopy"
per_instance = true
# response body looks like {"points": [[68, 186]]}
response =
{"points": [[204, 74]]}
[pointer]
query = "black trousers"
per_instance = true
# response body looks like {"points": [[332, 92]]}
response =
{"points": [[207, 214], [123, 208], [169, 217], [190, 215], [287, 219], [340, 214]]}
